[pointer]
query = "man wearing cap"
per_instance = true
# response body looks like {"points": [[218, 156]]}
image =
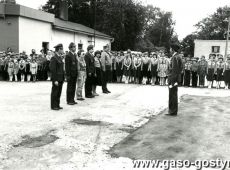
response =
{"points": [[106, 63], [71, 68], [90, 72], [175, 68], [57, 77]]}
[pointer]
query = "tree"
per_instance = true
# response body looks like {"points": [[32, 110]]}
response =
{"points": [[213, 27], [131, 24], [159, 28], [188, 44]]}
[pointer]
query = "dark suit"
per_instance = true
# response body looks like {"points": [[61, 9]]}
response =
{"points": [[175, 69], [90, 72], [57, 74], [71, 68]]}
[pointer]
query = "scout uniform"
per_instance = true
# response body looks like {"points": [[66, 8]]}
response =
{"points": [[219, 71], [127, 67], [137, 69], [33, 70], [187, 72], [194, 69], [202, 71], [57, 78], [119, 65], [211, 71], [10, 69]]}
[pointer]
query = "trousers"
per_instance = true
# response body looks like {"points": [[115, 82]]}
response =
{"points": [[56, 94], [71, 89], [173, 100], [80, 83]]}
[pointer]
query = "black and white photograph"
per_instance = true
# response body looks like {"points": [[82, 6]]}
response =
{"points": [[114, 84]]}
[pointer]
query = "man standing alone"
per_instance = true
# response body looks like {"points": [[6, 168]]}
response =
{"points": [[71, 68], [175, 69], [57, 77], [106, 63]]}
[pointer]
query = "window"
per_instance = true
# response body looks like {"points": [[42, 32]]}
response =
{"points": [[80, 46], [45, 47], [90, 39], [215, 49]]}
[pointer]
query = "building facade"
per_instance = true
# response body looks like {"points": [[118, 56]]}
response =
{"points": [[207, 47], [23, 29]]}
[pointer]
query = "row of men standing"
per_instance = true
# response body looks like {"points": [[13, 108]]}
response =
{"points": [[77, 68]]}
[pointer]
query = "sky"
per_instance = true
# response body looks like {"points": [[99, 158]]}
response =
{"points": [[186, 13]]}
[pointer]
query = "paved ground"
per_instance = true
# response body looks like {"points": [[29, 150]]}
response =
{"points": [[81, 137], [200, 132]]}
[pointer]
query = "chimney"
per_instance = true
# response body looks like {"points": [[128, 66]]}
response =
{"points": [[63, 10]]}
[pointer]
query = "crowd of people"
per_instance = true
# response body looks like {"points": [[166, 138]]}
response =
{"points": [[90, 69], [126, 67], [23, 67]]}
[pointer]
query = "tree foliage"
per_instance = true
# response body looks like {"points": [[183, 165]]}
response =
{"points": [[132, 25], [213, 27]]}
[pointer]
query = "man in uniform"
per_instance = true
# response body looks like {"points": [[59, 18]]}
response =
{"points": [[106, 63], [90, 72], [175, 69], [57, 77], [71, 68]]}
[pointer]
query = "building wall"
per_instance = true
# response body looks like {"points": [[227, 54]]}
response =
{"points": [[9, 30], [100, 43], [204, 47], [63, 37], [25, 34], [32, 33]]}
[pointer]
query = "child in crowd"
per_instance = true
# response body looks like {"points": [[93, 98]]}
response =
{"points": [[81, 74], [98, 72]]}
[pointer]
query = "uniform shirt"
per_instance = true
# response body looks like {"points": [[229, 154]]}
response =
{"points": [[106, 60], [1, 62], [97, 62], [187, 66], [89, 60], [227, 65], [219, 65], [22, 65], [137, 62], [71, 64], [211, 64], [145, 60], [194, 67], [82, 64], [57, 68], [127, 62]]}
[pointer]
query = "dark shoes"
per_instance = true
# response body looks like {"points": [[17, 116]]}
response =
{"points": [[57, 108], [107, 91], [81, 99], [170, 114], [72, 103], [90, 96]]}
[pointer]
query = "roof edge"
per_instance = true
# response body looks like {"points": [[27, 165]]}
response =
{"points": [[83, 32]]}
